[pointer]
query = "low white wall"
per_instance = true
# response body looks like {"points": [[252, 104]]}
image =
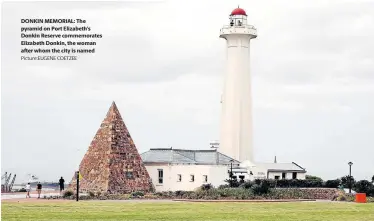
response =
{"points": [[300, 176], [216, 176]]}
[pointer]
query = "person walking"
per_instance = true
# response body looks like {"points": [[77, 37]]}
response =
{"points": [[28, 190], [62, 184], [39, 189]]}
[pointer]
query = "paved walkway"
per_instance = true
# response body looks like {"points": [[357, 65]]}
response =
{"points": [[9, 196]]}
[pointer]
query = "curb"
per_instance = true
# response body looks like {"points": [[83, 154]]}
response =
{"points": [[245, 201]]}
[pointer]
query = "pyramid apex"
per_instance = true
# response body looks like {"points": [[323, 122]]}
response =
{"points": [[113, 104], [113, 111]]}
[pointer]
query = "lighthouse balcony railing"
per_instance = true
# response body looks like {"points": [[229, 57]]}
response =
{"points": [[241, 26], [243, 29]]}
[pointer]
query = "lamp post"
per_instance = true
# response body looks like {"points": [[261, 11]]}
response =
{"points": [[231, 172], [350, 176]]}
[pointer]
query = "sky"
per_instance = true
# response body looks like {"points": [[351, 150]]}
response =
{"points": [[163, 63]]}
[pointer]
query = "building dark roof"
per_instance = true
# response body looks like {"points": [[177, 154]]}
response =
{"points": [[180, 156]]}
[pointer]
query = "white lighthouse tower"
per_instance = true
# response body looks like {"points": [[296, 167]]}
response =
{"points": [[236, 120]]}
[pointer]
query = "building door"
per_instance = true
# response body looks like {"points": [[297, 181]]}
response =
{"points": [[283, 176]]}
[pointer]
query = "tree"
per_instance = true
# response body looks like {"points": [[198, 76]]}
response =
{"points": [[348, 181], [363, 186], [233, 182], [310, 177], [372, 179], [261, 188], [332, 183]]}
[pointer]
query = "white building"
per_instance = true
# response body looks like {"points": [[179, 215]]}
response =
{"points": [[175, 169], [277, 171]]}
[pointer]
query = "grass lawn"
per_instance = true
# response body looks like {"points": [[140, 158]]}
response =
{"points": [[105, 210]]}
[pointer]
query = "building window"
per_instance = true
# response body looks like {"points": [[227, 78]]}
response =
{"points": [[160, 176], [129, 175], [294, 175], [283, 176], [276, 177], [192, 178], [205, 178], [179, 177]]}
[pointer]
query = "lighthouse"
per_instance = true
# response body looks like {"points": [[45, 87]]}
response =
{"points": [[236, 119]]}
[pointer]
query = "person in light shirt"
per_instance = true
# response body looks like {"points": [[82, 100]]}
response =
{"points": [[28, 190]]}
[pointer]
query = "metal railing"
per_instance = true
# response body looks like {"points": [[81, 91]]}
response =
{"points": [[241, 26]]}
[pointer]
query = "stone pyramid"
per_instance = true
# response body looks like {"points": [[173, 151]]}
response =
{"points": [[112, 163]]}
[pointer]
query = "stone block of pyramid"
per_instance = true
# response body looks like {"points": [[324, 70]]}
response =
{"points": [[112, 163]]}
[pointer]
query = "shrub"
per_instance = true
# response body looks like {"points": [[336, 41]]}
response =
{"points": [[68, 194], [207, 186], [166, 194], [150, 196], [262, 188], [180, 193], [310, 177], [137, 194], [257, 181], [332, 183], [295, 183], [22, 190], [233, 182], [85, 197], [247, 185], [341, 198], [224, 186], [234, 193], [91, 194], [261, 191], [363, 186]]}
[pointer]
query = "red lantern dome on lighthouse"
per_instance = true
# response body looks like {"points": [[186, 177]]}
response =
{"points": [[238, 11]]}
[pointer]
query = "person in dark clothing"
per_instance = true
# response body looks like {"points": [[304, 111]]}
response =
{"points": [[62, 184], [39, 189]]}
